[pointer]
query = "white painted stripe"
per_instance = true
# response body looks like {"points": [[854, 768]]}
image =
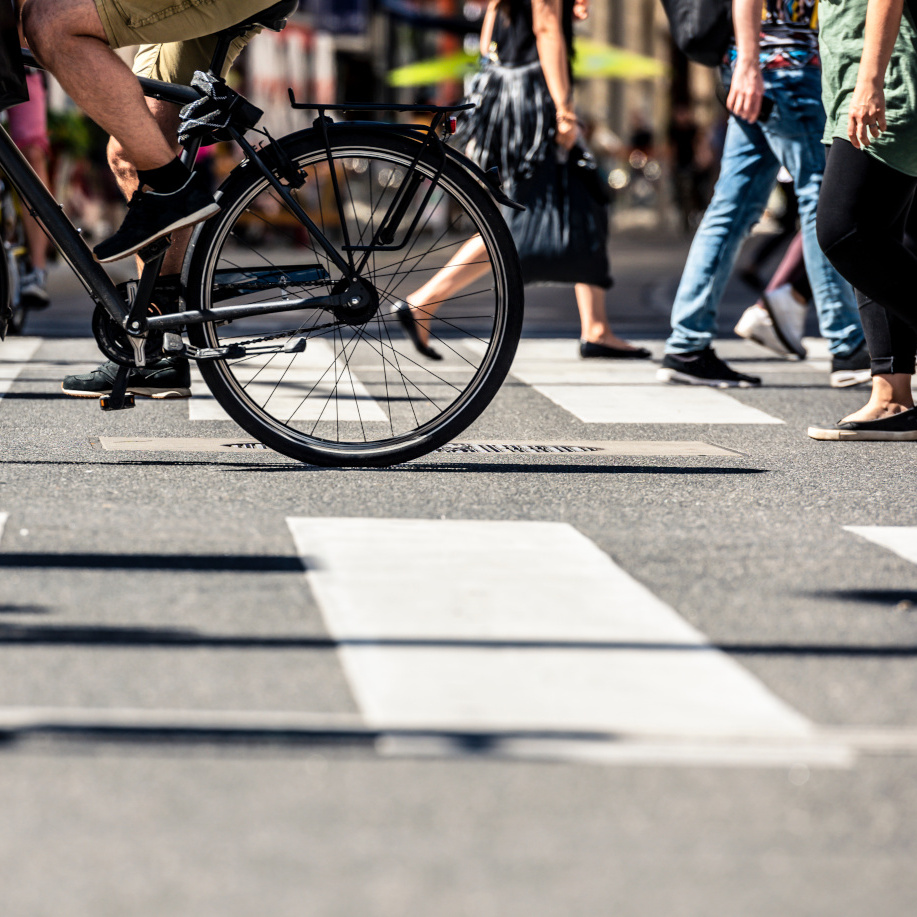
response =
{"points": [[280, 382], [3, 518], [900, 539], [518, 625], [652, 404], [622, 391], [15, 353]]}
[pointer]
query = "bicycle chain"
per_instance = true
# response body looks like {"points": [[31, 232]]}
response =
{"points": [[282, 334]]}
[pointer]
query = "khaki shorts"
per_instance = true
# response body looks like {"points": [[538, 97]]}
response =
{"points": [[176, 36]]}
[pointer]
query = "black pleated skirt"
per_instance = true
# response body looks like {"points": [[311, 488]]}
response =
{"points": [[512, 125]]}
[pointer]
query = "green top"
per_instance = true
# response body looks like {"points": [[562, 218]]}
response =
{"points": [[842, 27]]}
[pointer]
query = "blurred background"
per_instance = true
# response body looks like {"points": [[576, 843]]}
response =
{"points": [[652, 117]]}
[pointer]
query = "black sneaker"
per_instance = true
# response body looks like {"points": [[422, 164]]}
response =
{"points": [[151, 215], [169, 377], [702, 367], [853, 369]]}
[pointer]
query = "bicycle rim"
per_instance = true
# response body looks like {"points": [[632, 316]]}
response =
{"points": [[354, 390]]}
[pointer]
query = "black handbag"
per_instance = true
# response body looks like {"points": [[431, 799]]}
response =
{"points": [[562, 236], [12, 74], [702, 29]]}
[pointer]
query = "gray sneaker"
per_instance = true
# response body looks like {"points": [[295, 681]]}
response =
{"points": [[169, 377]]}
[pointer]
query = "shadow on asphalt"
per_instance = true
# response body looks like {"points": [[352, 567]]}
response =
{"points": [[96, 635]]}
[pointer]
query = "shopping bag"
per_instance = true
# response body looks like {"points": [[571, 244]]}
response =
{"points": [[562, 235], [12, 74]]}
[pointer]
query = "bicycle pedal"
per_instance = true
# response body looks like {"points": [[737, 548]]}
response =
{"points": [[112, 403], [173, 344]]}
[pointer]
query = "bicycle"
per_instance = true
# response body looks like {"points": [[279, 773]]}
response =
{"points": [[297, 341]]}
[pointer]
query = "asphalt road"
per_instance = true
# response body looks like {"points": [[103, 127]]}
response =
{"points": [[674, 675]]}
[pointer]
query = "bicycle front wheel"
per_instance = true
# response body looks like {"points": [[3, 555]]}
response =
{"points": [[336, 388]]}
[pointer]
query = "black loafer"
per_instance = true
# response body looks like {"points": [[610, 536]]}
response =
{"points": [[589, 349], [406, 319], [895, 428]]}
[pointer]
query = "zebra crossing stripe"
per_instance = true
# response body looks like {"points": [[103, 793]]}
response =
{"points": [[470, 625], [899, 539], [15, 353], [609, 391], [643, 404]]}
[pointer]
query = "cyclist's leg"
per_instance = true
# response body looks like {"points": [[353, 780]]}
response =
{"points": [[70, 40], [173, 62], [75, 41]]}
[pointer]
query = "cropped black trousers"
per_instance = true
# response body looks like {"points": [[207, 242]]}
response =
{"points": [[867, 227]]}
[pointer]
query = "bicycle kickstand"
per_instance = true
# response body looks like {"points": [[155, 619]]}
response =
{"points": [[118, 398]]}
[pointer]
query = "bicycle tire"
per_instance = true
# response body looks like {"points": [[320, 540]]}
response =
{"points": [[358, 393]]}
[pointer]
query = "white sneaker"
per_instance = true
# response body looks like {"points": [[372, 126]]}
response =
{"points": [[788, 316], [756, 325]]}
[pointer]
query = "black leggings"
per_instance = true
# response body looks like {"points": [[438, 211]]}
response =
{"points": [[868, 230]]}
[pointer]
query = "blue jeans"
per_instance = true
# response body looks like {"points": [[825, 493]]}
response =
{"points": [[752, 157]]}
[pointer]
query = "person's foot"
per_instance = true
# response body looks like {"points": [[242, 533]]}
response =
{"points": [[412, 329], [854, 369], [756, 325], [702, 367], [788, 317], [778, 325], [169, 377], [33, 294], [592, 349], [900, 427], [151, 215]]}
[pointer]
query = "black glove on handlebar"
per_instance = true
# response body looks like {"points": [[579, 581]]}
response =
{"points": [[219, 106]]}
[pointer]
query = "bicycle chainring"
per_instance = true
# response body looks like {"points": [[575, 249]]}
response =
{"points": [[115, 342]]}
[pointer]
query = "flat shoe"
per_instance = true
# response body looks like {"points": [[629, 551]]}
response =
{"points": [[408, 323], [589, 349], [894, 428]]}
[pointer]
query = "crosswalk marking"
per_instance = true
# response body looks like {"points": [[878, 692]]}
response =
{"points": [[15, 353], [900, 539], [298, 387], [620, 391], [519, 625]]}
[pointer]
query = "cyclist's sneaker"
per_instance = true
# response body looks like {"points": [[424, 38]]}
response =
{"points": [[151, 215], [853, 369], [702, 367], [169, 377], [33, 294]]}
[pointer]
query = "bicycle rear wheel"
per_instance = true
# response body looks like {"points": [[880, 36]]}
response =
{"points": [[353, 389]]}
